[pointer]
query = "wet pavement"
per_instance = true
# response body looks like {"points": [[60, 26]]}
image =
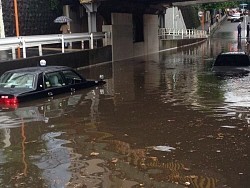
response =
{"points": [[164, 120]]}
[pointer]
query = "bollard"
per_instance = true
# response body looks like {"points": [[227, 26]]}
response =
{"points": [[13, 53], [91, 41], [62, 43], [40, 50], [24, 49]]}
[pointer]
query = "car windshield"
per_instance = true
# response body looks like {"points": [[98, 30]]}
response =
{"points": [[17, 80], [232, 60]]}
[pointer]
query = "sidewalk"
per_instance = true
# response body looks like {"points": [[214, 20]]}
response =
{"points": [[211, 28], [206, 27]]}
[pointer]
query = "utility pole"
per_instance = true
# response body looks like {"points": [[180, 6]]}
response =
{"points": [[17, 25], [16, 18]]}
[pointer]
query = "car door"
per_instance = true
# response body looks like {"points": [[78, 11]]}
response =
{"points": [[54, 83], [73, 80]]}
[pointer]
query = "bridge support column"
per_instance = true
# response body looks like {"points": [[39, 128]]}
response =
{"points": [[91, 9], [66, 12]]}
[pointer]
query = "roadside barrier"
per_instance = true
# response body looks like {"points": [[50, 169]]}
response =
{"points": [[24, 42], [171, 33]]}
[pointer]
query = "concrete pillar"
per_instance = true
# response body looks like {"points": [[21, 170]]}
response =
{"points": [[91, 9], [122, 36], [2, 31], [151, 40], [107, 29], [123, 46], [66, 12], [162, 21]]}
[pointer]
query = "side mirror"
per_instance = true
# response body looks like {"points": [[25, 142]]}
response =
{"points": [[101, 77]]}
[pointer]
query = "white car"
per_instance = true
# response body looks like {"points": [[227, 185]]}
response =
{"points": [[236, 17]]}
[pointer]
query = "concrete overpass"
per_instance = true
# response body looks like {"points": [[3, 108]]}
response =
{"points": [[191, 2], [133, 24], [155, 2], [106, 7]]}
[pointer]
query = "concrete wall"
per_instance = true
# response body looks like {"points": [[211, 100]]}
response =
{"points": [[123, 46], [107, 29], [175, 43], [174, 19], [35, 17], [75, 60]]}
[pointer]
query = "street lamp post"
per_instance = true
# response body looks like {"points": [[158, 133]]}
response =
{"points": [[244, 16], [201, 18], [176, 22]]}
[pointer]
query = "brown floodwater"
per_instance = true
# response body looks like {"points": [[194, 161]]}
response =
{"points": [[163, 120]]}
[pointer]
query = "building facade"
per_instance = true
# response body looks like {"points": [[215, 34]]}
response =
{"points": [[35, 17]]}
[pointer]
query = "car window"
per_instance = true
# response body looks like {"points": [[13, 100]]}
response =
{"points": [[53, 79], [18, 80], [72, 77]]}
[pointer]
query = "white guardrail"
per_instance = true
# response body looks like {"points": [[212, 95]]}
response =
{"points": [[170, 33], [24, 42]]}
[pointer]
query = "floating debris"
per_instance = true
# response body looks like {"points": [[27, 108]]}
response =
{"points": [[94, 154], [163, 148], [187, 183], [153, 158], [227, 126], [193, 176], [114, 160]]}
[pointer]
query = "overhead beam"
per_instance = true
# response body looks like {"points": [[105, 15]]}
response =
{"points": [[152, 2], [191, 2]]}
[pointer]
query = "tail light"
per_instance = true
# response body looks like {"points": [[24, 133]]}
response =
{"points": [[9, 101]]}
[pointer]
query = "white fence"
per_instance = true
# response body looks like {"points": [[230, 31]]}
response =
{"points": [[170, 33], [24, 42]]}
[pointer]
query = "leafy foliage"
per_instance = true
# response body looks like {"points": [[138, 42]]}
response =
{"points": [[217, 6], [54, 4]]}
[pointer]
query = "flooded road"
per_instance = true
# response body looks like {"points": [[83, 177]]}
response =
{"points": [[165, 120]]}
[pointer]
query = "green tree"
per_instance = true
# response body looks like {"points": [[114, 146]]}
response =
{"points": [[54, 4], [217, 6]]}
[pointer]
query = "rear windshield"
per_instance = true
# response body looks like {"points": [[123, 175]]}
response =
{"points": [[17, 80], [232, 60]]}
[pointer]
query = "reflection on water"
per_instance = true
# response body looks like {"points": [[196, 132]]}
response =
{"points": [[42, 111], [164, 120]]}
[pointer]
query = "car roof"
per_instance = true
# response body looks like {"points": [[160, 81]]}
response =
{"points": [[39, 69], [233, 53], [232, 59]]}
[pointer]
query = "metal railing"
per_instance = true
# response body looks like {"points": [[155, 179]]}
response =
{"points": [[172, 33], [24, 42]]}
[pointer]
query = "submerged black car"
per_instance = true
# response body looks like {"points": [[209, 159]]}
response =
{"points": [[232, 63], [43, 81]]}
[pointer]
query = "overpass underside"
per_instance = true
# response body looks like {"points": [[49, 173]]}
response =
{"points": [[132, 24], [150, 2]]}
